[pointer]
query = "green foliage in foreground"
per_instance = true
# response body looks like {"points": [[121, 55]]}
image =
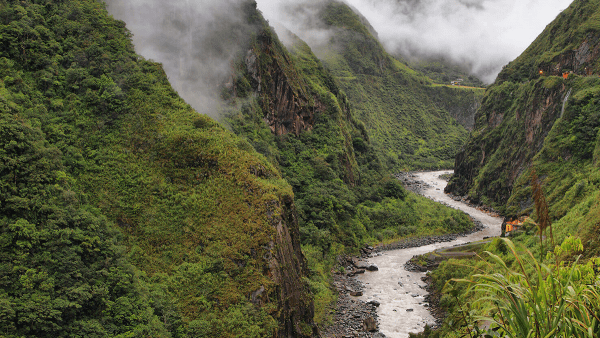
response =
{"points": [[560, 300], [513, 294]]}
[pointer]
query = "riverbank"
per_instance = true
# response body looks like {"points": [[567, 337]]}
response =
{"points": [[405, 304], [405, 295], [353, 317]]}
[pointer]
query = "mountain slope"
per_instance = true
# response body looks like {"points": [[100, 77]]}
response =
{"points": [[405, 114], [534, 117], [123, 211], [291, 109]]}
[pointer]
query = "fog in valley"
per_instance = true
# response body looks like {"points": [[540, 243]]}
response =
{"points": [[481, 35], [196, 41]]}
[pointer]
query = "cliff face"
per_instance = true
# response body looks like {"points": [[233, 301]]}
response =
{"points": [[288, 269], [582, 60], [292, 98], [288, 110], [541, 113], [504, 140], [461, 103]]}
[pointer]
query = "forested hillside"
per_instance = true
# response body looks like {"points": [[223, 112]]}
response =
{"points": [[123, 212], [416, 123], [542, 114], [534, 152], [291, 109]]}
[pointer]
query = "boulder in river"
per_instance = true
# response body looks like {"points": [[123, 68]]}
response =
{"points": [[372, 267], [362, 265]]}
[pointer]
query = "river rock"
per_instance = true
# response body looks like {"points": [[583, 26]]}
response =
{"points": [[370, 324], [356, 293], [374, 303], [372, 267], [360, 264]]}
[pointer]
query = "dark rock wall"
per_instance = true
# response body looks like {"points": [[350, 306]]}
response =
{"points": [[288, 107], [504, 143], [521, 108], [287, 267]]}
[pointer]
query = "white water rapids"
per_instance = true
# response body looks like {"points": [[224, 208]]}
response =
{"points": [[402, 308]]}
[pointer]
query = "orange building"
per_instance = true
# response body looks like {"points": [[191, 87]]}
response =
{"points": [[513, 225]]}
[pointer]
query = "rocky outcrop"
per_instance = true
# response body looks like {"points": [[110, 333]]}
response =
{"points": [[287, 267], [524, 130], [461, 103], [353, 317], [291, 105], [520, 112], [288, 109], [578, 61]]}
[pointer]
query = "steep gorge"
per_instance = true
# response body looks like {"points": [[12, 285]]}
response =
{"points": [[541, 113], [413, 122]]}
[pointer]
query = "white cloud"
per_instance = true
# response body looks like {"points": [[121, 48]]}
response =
{"points": [[483, 34], [195, 41]]}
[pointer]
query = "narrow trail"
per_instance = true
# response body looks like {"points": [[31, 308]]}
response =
{"points": [[400, 292]]}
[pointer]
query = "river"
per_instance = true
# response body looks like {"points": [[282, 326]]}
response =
{"points": [[400, 292]]}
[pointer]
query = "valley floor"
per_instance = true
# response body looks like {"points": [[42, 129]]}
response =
{"points": [[398, 293]]}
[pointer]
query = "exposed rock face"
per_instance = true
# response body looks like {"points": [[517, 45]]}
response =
{"points": [[579, 61], [527, 129], [520, 110], [370, 324], [287, 267], [288, 109], [289, 105], [462, 104]]}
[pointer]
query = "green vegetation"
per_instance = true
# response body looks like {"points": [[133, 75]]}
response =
{"points": [[443, 72], [344, 196], [576, 25], [552, 300], [406, 117], [124, 213], [538, 120], [535, 123], [509, 293]]}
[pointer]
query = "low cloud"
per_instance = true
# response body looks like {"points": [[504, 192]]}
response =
{"points": [[300, 17], [482, 35], [196, 41]]}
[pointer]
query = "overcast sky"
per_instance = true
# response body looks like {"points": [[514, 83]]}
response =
{"points": [[187, 36], [483, 34]]}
